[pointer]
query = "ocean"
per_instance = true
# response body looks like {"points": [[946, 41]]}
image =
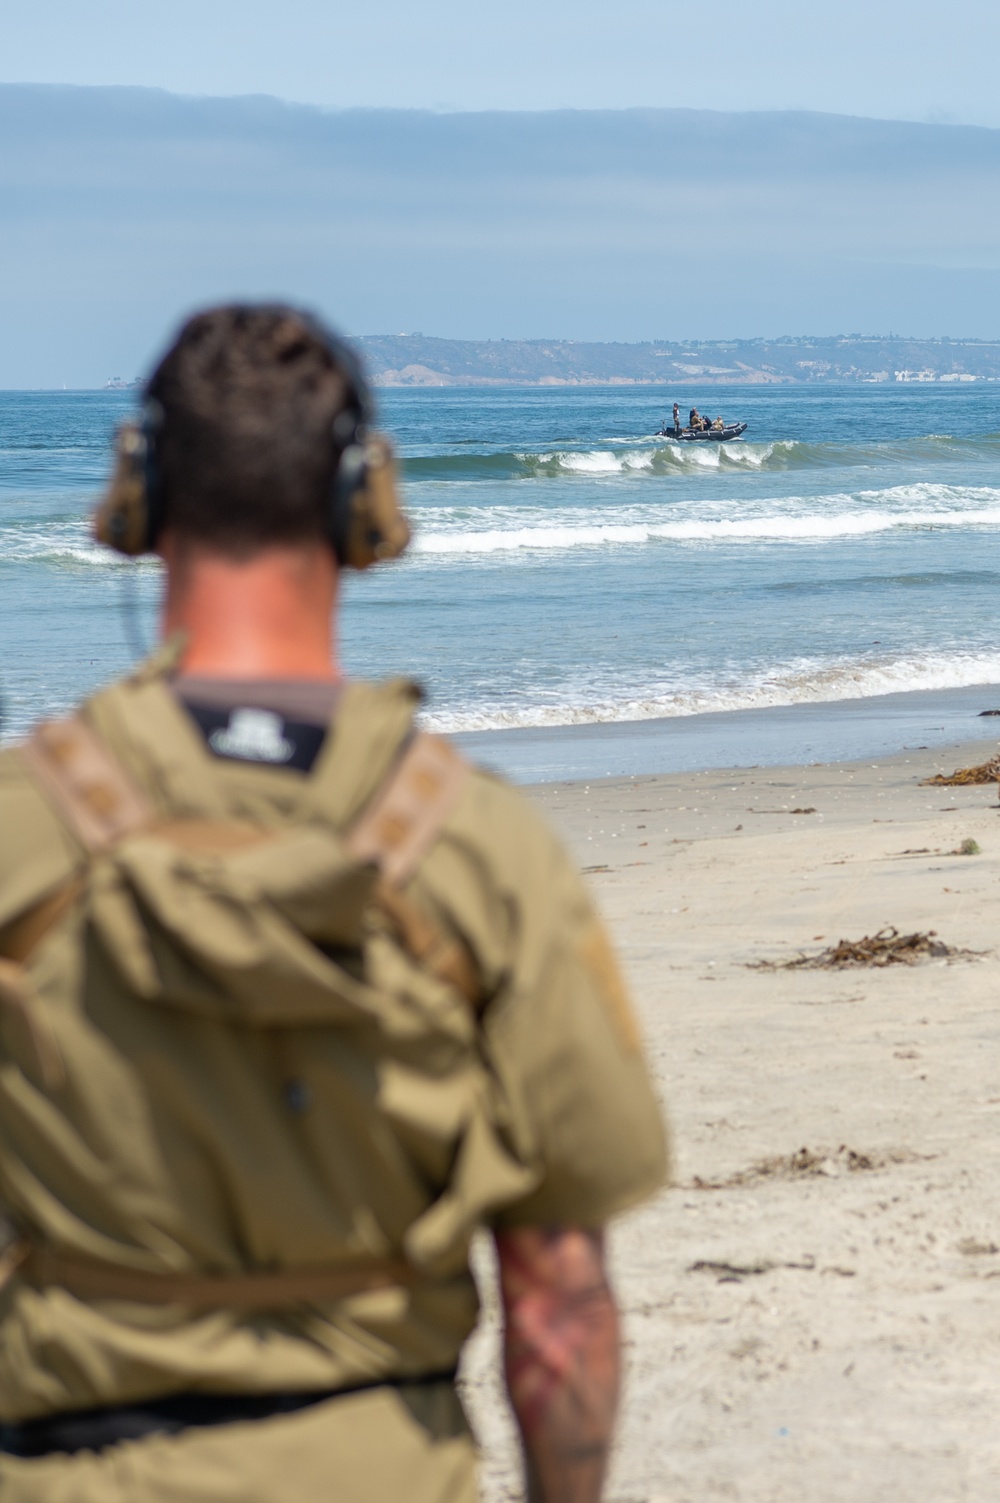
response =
{"points": [[569, 567]]}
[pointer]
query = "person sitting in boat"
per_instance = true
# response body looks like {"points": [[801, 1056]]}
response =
{"points": [[718, 426], [695, 420]]}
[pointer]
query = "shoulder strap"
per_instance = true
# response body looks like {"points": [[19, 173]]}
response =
{"points": [[101, 805], [403, 819], [395, 832], [85, 784], [92, 793]]}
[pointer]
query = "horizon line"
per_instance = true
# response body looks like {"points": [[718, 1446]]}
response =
{"points": [[445, 110]]}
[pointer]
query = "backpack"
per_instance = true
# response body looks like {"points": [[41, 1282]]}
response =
{"points": [[260, 928]]}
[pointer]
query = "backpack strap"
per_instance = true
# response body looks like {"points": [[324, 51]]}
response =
{"points": [[85, 783], [395, 832], [266, 1289], [100, 804], [29, 928], [403, 819]]}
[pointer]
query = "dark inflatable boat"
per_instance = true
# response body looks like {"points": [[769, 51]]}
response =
{"points": [[704, 435]]}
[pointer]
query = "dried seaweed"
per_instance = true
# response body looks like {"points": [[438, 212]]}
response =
{"points": [[809, 1163], [805, 1163], [887, 947], [986, 772]]}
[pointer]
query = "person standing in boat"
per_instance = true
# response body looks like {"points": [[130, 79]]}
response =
{"points": [[677, 417]]}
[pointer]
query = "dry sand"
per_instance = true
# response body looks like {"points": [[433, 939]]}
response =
{"points": [[830, 1336]]}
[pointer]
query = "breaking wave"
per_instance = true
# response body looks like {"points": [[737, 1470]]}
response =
{"points": [[456, 532], [792, 521], [798, 682], [65, 543], [645, 457]]}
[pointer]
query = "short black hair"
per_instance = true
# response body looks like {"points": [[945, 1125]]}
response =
{"points": [[244, 409]]}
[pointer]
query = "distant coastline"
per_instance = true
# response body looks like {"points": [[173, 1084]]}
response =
{"points": [[423, 360]]}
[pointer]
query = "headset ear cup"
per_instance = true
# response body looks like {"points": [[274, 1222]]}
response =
{"points": [[122, 518], [370, 525]]}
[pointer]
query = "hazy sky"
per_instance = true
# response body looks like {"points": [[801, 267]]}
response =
{"points": [[122, 208], [905, 59]]}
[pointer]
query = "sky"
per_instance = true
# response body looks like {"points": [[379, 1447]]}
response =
{"points": [[566, 177], [896, 59], [120, 209]]}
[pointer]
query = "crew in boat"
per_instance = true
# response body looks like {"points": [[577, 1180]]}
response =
{"points": [[677, 417], [718, 426], [695, 420]]}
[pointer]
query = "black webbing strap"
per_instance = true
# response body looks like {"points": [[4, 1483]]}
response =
{"points": [[96, 1429]]}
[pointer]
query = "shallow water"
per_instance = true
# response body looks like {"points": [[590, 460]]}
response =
{"points": [[569, 566]]}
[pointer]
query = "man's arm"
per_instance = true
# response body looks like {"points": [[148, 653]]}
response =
{"points": [[562, 1357]]}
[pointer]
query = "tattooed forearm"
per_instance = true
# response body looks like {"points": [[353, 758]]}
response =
{"points": [[562, 1357]]}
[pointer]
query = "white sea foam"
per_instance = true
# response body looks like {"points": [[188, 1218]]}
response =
{"points": [[596, 462], [661, 456], [785, 526], [799, 682], [66, 543], [446, 531]]}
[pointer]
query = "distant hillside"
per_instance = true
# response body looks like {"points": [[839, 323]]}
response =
{"points": [[420, 360]]}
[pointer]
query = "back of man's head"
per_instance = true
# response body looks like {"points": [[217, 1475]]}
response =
{"points": [[247, 441]]}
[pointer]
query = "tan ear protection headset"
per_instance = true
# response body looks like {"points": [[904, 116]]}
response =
{"points": [[364, 521]]}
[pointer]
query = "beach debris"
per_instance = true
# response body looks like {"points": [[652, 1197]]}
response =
{"points": [[809, 1163], [810, 810], [805, 1163], [985, 772], [975, 1247], [887, 947], [735, 1273], [968, 847], [732, 1273]]}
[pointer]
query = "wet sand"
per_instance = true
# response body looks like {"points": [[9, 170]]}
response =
{"points": [[825, 1329]]}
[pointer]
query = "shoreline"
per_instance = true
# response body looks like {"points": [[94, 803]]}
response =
{"points": [[841, 730]]}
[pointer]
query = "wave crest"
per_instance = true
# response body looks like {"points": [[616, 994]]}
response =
{"points": [[800, 682], [661, 457], [791, 527]]}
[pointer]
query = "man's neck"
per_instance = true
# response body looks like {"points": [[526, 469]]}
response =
{"points": [[269, 616]]}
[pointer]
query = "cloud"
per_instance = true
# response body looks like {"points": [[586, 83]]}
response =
{"points": [[121, 207]]}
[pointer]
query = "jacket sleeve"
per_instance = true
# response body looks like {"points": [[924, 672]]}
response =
{"points": [[575, 1095]]}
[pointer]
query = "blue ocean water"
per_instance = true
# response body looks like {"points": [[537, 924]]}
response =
{"points": [[569, 566]]}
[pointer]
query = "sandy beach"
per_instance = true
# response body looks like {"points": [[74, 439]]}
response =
{"points": [[817, 1327]]}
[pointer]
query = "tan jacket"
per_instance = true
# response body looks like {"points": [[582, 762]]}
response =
{"points": [[182, 1137]]}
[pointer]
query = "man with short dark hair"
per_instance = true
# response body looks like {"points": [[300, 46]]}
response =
{"points": [[292, 1001]]}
